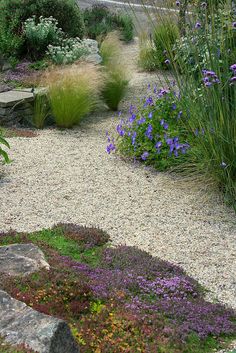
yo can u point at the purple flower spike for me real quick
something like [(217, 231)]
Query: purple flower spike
[(111, 147), (144, 156)]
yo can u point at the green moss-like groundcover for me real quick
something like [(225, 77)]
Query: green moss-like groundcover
[(118, 299)]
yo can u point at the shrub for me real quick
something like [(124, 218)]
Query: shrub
[(3, 153), (99, 21), (15, 12), (126, 25), (73, 93), (67, 52), (39, 36)]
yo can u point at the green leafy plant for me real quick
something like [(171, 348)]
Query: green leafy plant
[(3, 153), (14, 12), (40, 35), (69, 51), (73, 93), (99, 21), (126, 25)]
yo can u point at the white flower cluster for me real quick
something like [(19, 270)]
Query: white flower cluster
[(45, 30), (68, 52)]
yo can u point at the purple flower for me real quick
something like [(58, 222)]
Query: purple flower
[(162, 122), (233, 80), (120, 130), (134, 137), (204, 5), (148, 132), (141, 121), (198, 25), (167, 61), (158, 145), (233, 67), (177, 3), (234, 24), (150, 115), (111, 147), (132, 118), (144, 156), (165, 126), (174, 106)]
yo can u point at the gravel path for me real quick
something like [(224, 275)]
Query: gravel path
[(66, 176)]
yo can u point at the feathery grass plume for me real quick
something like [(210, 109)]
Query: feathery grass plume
[(147, 55), (110, 49), (73, 92), (115, 74)]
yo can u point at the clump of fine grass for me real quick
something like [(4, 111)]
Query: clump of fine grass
[(73, 93), (147, 55), (115, 75), (41, 110)]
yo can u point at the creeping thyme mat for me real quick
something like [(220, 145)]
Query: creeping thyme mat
[(119, 299)]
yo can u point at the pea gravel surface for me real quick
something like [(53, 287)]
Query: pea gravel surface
[(66, 176)]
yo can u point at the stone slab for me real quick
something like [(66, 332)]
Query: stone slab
[(20, 324), (21, 259), (10, 98)]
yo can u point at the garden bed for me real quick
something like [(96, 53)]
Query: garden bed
[(118, 299)]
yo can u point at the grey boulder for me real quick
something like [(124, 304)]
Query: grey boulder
[(20, 324), (21, 259)]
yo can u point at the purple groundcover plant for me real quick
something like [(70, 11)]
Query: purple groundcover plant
[(151, 287), (152, 131), (21, 73)]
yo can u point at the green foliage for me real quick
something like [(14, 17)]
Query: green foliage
[(165, 36), (69, 50), (116, 82), (14, 12), (41, 110), (73, 94), (3, 153), (115, 87), (99, 21), (126, 25), (147, 60), (40, 35), (156, 50)]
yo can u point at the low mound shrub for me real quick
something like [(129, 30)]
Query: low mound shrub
[(73, 93), (39, 35), (118, 299), (15, 12)]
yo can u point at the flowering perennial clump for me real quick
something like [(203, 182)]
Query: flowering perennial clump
[(125, 301), (152, 130)]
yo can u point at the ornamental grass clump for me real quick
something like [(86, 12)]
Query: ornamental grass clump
[(115, 74), (73, 93), (203, 66)]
